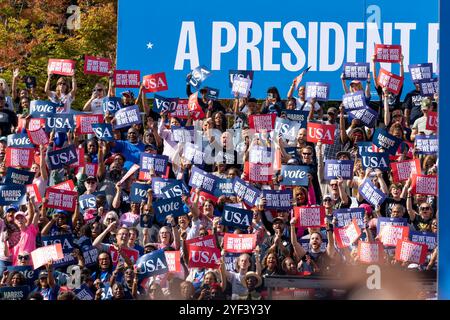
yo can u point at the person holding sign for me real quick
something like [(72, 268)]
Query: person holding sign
[(422, 220), (419, 126), (63, 94), (355, 85), (95, 103), (273, 102), (46, 285), (301, 103)]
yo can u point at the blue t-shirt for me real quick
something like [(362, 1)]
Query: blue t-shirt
[(132, 152)]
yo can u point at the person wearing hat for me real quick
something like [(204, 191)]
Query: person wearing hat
[(278, 241), (209, 106), (251, 281), (45, 285), (301, 103), (420, 125), (58, 225), (95, 102), (412, 104), (356, 85)]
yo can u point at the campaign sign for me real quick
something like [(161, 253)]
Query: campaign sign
[(41, 256), (19, 157), (12, 194), (318, 90), (390, 81), (307, 246), (403, 170), (117, 257), (65, 185), (60, 122), (297, 115), (248, 74), (90, 255), (90, 169), (322, 132), (63, 67), (354, 101), (236, 217), (155, 82), (33, 190), (103, 131), (138, 192), (204, 257), (158, 184), (96, 65), (390, 234), (388, 53), (152, 264), (310, 216), (27, 271), (421, 71), (173, 260), (61, 199), (260, 154), (84, 122), (164, 207), (127, 78), (80, 158), (245, 191), (428, 238), (338, 168), (14, 293), (258, 172), (126, 117), (426, 144), (428, 87), (347, 235), (384, 221), (239, 243), (294, 175), (426, 185), (383, 139), (18, 176), (224, 187), (156, 162), (367, 116), (345, 216), (62, 157), (287, 129), (111, 104), (175, 189), (375, 160), (364, 146), (432, 121), (67, 245), (262, 122), (195, 108), (202, 180), (370, 252), (87, 201), (371, 193), (212, 93), (208, 241), (30, 81), (20, 140), (161, 104), (356, 70), (84, 293), (38, 136), (278, 199), (43, 106), (241, 86), (198, 75), (182, 109), (408, 251)]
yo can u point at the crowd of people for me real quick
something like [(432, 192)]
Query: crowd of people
[(108, 239)]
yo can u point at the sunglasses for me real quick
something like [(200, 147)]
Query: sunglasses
[(306, 154), (333, 184), (23, 257), (62, 84), (98, 90), (424, 208), (327, 200), (91, 182)]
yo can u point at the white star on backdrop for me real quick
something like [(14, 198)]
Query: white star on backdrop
[(149, 45)]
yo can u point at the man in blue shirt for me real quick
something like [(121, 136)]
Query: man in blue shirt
[(131, 149)]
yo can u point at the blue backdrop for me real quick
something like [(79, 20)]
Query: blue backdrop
[(276, 39)]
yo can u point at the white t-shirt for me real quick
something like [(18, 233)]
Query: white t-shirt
[(67, 99), (96, 106), (237, 288), (307, 107)]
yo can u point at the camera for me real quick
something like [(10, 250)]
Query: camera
[(270, 95)]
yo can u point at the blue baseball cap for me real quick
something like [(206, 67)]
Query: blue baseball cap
[(12, 207)]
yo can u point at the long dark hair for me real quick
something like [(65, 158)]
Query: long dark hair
[(274, 90), (97, 270)]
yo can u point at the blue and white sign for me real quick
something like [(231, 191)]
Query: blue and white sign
[(375, 160), (103, 131), (202, 180), (156, 162), (278, 199), (182, 134), (294, 175), (12, 194), (383, 139), (43, 106), (354, 101), (345, 216), (84, 293), (236, 218), (383, 221), (138, 192), (126, 117), (248, 74), (356, 70), (297, 115), (111, 105), (176, 189), (371, 193), (428, 87), (158, 184), (245, 191), (318, 90), (420, 71), (28, 272), (367, 116), (14, 293), (286, 128), (277, 42), (60, 122), (20, 140), (161, 104), (364, 146), (426, 144), (18, 176), (198, 75), (164, 207), (152, 264), (87, 201), (67, 245), (241, 86), (338, 168), (62, 157), (212, 93), (428, 238), (224, 187)]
